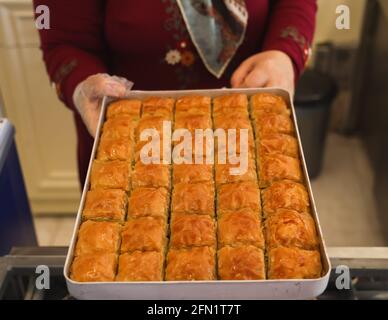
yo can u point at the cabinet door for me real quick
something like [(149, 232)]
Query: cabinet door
[(45, 133)]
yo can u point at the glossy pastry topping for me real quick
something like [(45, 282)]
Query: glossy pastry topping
[(224, 174), (192, 173), (293, 263), (273, 123), (115, 149), (285, 194), (239, 122), (124, 107), (240, 227), (140, 266), (193, 104), (260, 99), (105, 205), (150, 175), (289, 228), (193, 122), (98, 267), (110, 175), (152, 122), (150, 202), (191, 264), (98, 237), (144, 234), (192, 230), (241, 263), (278, 143), (155, 106), (119, 127), (226, 103), (278, 167), (193, 198)]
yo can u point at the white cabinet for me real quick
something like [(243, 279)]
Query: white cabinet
[(45, 133)]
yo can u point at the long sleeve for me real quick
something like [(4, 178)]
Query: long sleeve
[(74, 47), (291, 30)]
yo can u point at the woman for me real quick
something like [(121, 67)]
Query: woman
[(169, 44)]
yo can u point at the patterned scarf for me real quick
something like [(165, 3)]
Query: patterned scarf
[(217, 29)]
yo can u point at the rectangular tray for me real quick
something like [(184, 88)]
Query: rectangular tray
[(216, 289)]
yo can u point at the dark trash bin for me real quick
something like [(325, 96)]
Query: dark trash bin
[(313, 98)]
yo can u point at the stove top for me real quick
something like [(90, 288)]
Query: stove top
[(18, 275)]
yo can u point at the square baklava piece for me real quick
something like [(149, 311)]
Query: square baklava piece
[(144, 234), (285, 194), (193, 104), (294, 263), (151, 175), (118, 127), (231, 173), (115, 149), (289, 228), (232, 103), (236, 196), (262, 103), (98, 267), (241, 263), (98, 237), (192, 230), (273, 123), (148, 123), (151, 202), (191, 264), (277, 143), (192, 173), (276, 167), (193, 122), (124, 107), (105, 205), (240, 227), (110, 175), (140, 266), (155, 106), (193, 199)]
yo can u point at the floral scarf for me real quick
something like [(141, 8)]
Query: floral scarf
[(217, 29)]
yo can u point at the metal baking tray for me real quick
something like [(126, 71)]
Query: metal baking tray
[(216, 289)]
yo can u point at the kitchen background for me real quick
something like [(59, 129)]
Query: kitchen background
[(350, 190)]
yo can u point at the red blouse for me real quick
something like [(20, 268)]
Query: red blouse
[(132, 38)]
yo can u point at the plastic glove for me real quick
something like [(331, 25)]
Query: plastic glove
[(88, 95)]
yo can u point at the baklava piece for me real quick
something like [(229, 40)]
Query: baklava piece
[(192, 173), (193, 122), (110, 175), (230, 103), (118, 127), (144, 234), (235, 143), (241, 227), (293, 263), (261, 99), (193, 198), (278, 167), (192, 230), (241, 263), (150, 175), (149, 125), (155, 106), (285, 194), (288, 228), (98, 237), (115, 149), (151, 202), (236, 196), (193, 105), (277, 143), (125, 107), (105, 205), (99, 267), (191, 264), (140, 266), (226, 123), (231, 173), (273, 123)]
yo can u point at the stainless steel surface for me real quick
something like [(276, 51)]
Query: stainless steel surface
[(277, 289)]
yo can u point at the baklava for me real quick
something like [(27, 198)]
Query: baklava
[(150, 175), (294, 263), (230, 103), (124, 107), (192, 173), (98, 267), (115, 149), (150, 125), (196, 263), (240, 227), (226, 123), (110, 175), (192, 230), (118, 127), (288, 228), (285, 194), (231, 173), (241, 263), (155, 106), (260, 99), (193, 104), (148, 202), (273, 123), (236, 196), (277, 143), (144, 234), (98, 237), (105, 205), (140, 266), (193, 122), (276, 167)]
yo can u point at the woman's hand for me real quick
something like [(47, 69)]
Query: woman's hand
[(267, 69), (89, 93)]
